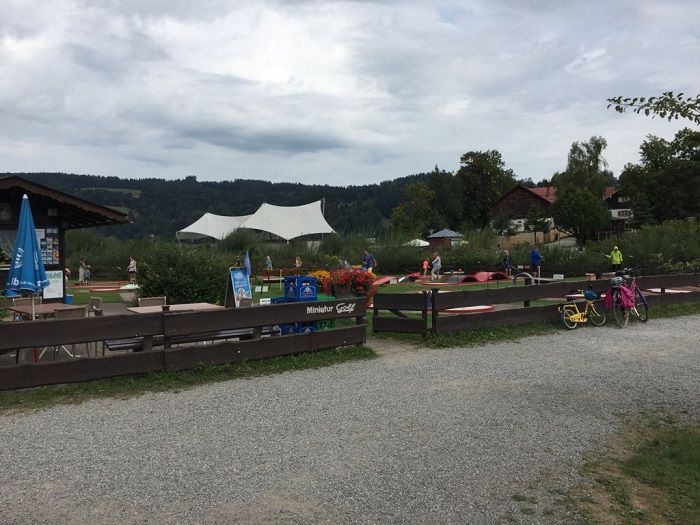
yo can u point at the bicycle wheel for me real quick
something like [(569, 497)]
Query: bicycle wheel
[(641, 305), (596, 316), (621, 314), (565, 316)]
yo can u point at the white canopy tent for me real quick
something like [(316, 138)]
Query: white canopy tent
[(211, 225), (287, 222), (417, 242)]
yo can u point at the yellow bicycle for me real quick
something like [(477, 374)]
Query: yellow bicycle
[(571, 316)]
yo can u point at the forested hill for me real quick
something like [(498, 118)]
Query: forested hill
[(161, 207)]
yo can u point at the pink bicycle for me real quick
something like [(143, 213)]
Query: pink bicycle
[(627, 298)]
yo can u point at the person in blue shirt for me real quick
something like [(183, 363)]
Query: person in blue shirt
[(535, 260), (368, 262)]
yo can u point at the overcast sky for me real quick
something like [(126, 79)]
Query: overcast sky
[(331, 92)]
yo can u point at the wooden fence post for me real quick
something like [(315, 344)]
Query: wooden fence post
[(434, 311)]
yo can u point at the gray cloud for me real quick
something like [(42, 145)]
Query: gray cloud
[(293, 141), (360, 90)]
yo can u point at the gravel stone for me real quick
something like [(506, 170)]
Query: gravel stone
[(477, 435)]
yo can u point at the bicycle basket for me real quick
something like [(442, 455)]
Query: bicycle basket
[(616, 281), (591, 295)]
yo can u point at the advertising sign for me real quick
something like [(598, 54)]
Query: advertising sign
[(340, 308), (55, 288), (240, 286)]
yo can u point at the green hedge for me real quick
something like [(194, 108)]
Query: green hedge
[(183, 274)]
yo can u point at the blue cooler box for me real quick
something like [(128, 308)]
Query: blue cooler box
[(300, 288)]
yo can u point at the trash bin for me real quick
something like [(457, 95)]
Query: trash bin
[(69, 298)]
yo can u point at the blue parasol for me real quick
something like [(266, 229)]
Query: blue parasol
[(27, 273)]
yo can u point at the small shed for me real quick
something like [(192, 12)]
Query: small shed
[(54, 212), (445, 237)]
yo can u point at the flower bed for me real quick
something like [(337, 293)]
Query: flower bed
[(346, 282)]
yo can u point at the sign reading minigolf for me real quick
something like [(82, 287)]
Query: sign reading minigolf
[(339, 308)]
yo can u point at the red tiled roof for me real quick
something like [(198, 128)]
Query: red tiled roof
[(548, 193), (608, 192)]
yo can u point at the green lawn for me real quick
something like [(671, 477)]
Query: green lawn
[(83, 297), (649, 473)]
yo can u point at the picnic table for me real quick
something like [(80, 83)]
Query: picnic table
[(186, 307), (146, 343), (43, 310)]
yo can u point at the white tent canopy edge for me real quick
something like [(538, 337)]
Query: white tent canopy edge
[(287, 222)]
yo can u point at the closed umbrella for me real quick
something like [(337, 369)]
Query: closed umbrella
[(27, 273)]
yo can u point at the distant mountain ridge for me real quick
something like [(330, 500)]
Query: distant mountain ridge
[(161, 207)]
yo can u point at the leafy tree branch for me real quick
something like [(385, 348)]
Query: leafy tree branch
[(668, 105)]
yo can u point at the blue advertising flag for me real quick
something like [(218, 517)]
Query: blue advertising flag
[(27, 273), (247, 262)]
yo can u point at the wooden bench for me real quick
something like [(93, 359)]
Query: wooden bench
[(222, 335), (275, 276), (115, 345), (135, 344)]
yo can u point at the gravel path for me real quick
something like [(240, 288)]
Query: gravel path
[(421, 436)]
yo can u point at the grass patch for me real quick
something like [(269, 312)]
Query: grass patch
[(125, 386), (649, 473), (673, 310), (670, 462), (413, 288), (107, 297), (524, 498), (481, 336)]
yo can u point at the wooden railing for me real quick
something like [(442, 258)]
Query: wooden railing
[(431, 305), (165, 328)]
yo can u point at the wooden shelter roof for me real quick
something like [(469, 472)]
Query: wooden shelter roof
[(72, 212)]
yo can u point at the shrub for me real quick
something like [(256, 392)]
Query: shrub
[(393, 258), (670, 246), (240, 241), (184, 275), (108, 256)]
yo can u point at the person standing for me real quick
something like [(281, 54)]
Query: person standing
[(84, 271), (132, 270), (535, 260), (615, 258), (297, 262), (368, 262), (508, 262), (437, 264), (81, 270), (87, 271), (426, 265), (268, 262)]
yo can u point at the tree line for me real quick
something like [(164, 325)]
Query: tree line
[(665, 185), (158, 207)]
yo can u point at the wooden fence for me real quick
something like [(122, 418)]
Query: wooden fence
[(165, 329), (405, 308)]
